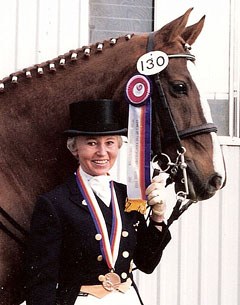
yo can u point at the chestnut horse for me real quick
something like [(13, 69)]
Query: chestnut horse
[(34, 112)]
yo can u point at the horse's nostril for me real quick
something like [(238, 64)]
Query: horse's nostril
[(216, 182)]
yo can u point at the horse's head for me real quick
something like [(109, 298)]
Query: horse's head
[(195, 134)]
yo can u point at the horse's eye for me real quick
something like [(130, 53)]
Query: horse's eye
[(179, 88)]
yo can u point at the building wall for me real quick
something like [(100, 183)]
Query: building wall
[(201, 265), (112, 18)]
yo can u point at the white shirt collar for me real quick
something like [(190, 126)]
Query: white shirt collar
[(100, 185)]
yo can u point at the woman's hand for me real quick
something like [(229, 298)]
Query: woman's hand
[(156, 197)]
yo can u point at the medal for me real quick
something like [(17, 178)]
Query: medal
[(109, 246), (111, 281)]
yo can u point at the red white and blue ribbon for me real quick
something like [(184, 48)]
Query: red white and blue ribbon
[(138, 94), (109, 247)]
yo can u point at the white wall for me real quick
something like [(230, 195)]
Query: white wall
[(201, 265), (34, 31), (211, 48)]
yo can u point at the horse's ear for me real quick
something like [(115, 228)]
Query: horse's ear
[(174, 28), (192, 32)]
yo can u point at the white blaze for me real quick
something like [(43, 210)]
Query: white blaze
[(218, 162)]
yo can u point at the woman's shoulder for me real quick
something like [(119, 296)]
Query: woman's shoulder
[(120, 186), (62, 190)]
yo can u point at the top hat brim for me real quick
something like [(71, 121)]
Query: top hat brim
[(75, 133)]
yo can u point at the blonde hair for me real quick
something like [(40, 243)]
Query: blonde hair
[(71, 144)]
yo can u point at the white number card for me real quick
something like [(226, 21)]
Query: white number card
[(152, 62)]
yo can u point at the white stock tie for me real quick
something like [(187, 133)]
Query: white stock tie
[(101, 187)]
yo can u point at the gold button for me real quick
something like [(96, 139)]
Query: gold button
[(101, 278), (99, 258), (98, 236), (124, 275), (125, 254), (131, 266), (84, 202), (125, 233)]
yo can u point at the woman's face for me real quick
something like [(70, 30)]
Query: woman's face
[(97, 154)]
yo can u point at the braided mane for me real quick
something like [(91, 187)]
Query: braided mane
[(60, 62)]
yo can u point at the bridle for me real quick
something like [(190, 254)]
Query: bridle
[(162, 107), (172, 135)]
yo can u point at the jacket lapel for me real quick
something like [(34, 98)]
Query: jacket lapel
[(75, 195), (77, 198)]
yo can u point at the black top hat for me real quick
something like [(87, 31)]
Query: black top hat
[(94, 117)]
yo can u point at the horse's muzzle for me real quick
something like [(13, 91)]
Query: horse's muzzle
[(215, 182), (200, 190)]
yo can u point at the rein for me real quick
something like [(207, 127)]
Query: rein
[(172, 135), (15, 225)]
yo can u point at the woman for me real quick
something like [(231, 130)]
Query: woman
[(82, 242)]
